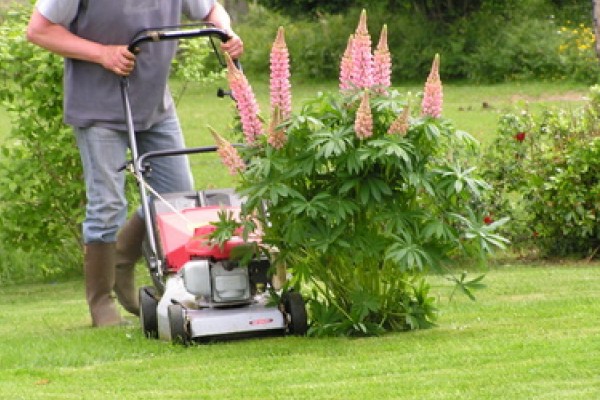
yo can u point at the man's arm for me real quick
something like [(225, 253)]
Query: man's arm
[(57, 39), (221, 19)]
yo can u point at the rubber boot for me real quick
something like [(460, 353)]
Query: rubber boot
[(99, 261), (129, 251)]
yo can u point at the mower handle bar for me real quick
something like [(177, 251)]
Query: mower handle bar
[(176, 33), (176, 152), (156, 35), (159, 34)]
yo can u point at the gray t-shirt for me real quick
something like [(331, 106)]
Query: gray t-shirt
[(64, 11), (92, 94)]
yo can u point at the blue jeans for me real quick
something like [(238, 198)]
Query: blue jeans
[(104, 151)]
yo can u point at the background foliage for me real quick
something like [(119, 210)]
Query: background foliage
[(42, 197), (545, 172), (434, 10), (483, 41)]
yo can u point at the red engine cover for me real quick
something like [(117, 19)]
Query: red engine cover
[(183, 237)]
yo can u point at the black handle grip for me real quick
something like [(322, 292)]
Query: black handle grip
[(161, 34)]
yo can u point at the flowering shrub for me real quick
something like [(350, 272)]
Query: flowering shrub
[(544, 171), (364, 196), (577, 52)]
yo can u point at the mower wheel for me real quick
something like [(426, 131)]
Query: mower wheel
[(178, 324), (294, 307), (148, 318)]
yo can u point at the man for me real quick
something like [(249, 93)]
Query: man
[(93, 36)]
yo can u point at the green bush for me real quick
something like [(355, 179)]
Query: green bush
[(577, 54), (361, 222), (523, 41), (524, 48), (495, 52), (195, 62), (41, 203), (545, 173)]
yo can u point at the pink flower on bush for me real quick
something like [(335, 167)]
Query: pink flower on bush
[(363, 124), (362, 59), (228, 154), (346, 66), (401, 124), (433, 95), (382, 74), (281, 95), (520, 137), (245, 101)]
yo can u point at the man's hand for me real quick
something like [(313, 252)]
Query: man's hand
[(118, 59), (219, 17), (234, 46)]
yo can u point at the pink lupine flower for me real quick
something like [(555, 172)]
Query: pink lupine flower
[(281, 95), (362, 59), (382, 73), (401, 124), (433, 95), (363, 124), (346, 66), (228, 154), (276, 136), (245, 101)]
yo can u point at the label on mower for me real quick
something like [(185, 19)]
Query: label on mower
[(261, 321)]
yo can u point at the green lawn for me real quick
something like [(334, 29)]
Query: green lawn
[(532, 334)]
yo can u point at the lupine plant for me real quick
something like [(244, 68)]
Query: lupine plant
[(363, 196)]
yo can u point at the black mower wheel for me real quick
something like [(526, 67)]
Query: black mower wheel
[(148, 318), (295, 309), (178, 324)]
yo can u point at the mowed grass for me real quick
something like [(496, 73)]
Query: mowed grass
[(532, 334)]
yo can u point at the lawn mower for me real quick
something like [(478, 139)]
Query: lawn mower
[(201, 291)]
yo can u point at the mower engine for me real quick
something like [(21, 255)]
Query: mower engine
[(222, 283)]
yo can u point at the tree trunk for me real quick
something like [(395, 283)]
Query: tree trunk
[(236, 8), (596, 18)]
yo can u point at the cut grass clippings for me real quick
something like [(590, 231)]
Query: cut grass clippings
[(532, 334)]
